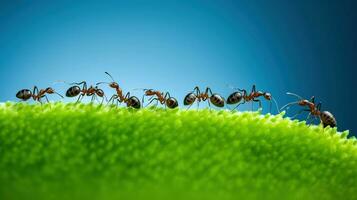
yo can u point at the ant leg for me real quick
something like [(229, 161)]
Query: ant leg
[(260, 102), (189, 106), (127, 95), (104, 97), (198, 105), (244, 92), (102, 100), (197, 89), (142, 99), (118, 102), (209, 105), (92, 99), (97, 98), (270, 106), (312, 99), (112, 99), (47, 99), (167, 95), (308, 118), (311, 120), (35, 90), (152, 101), (80, 98), (80, 83), (318, 107), (298, 113), (208, 90), (253, 89), (238, 105)]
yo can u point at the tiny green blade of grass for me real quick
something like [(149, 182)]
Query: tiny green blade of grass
[(85, 151)]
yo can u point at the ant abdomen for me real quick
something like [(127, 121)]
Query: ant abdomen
[(99, 92), (24, 94), (73, 91), (171, 102), (327, 119), (234, 98), (134, 102), (217, 100), (189, 99)]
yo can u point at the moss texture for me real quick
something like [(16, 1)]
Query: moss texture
[(59, 151)]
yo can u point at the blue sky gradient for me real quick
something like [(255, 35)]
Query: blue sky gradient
[(307, 47)]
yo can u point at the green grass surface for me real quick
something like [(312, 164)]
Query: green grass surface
[(67, 151)]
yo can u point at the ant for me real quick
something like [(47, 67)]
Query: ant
[(36, 94), (326, 118), (166, 99), (238, 96), (84, 91), (131, 101), (215, 99)]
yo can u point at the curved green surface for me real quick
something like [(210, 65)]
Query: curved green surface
[(59, 151)]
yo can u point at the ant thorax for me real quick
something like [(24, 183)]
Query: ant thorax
[(119, 92)]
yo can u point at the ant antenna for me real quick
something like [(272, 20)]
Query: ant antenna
[(293, 94), (60, 81), (59, 94), (141, 89), (110, 76), (231, 87), (276, 104), (289, 104), (101, 83)]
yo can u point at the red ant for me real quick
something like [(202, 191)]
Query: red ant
[(36, 94), (84, 91), (238, 96), (166, 99), (215, 99), (326, 118), (131, 101)]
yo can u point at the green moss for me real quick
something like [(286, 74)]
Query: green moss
[(58, 151)]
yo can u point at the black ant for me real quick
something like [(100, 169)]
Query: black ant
[(326, 118), (36, 94), (84, 91), (238, 96), (131, 101), (166, 99), (215, 99)]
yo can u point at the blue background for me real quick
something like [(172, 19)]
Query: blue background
[(305, 47)]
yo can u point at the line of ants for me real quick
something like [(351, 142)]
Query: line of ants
[(237, 98)]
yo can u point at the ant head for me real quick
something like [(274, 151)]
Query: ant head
[(114, 85), (49, 90), (149, 91), (267, 96), (303, 102)]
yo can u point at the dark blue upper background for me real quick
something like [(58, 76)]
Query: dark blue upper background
[(305, 47)]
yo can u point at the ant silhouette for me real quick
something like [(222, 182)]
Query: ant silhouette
[(160, 97), (131, 101), (84, 91), (326, 118), (37, 95), (238, 96), (208, 96)]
